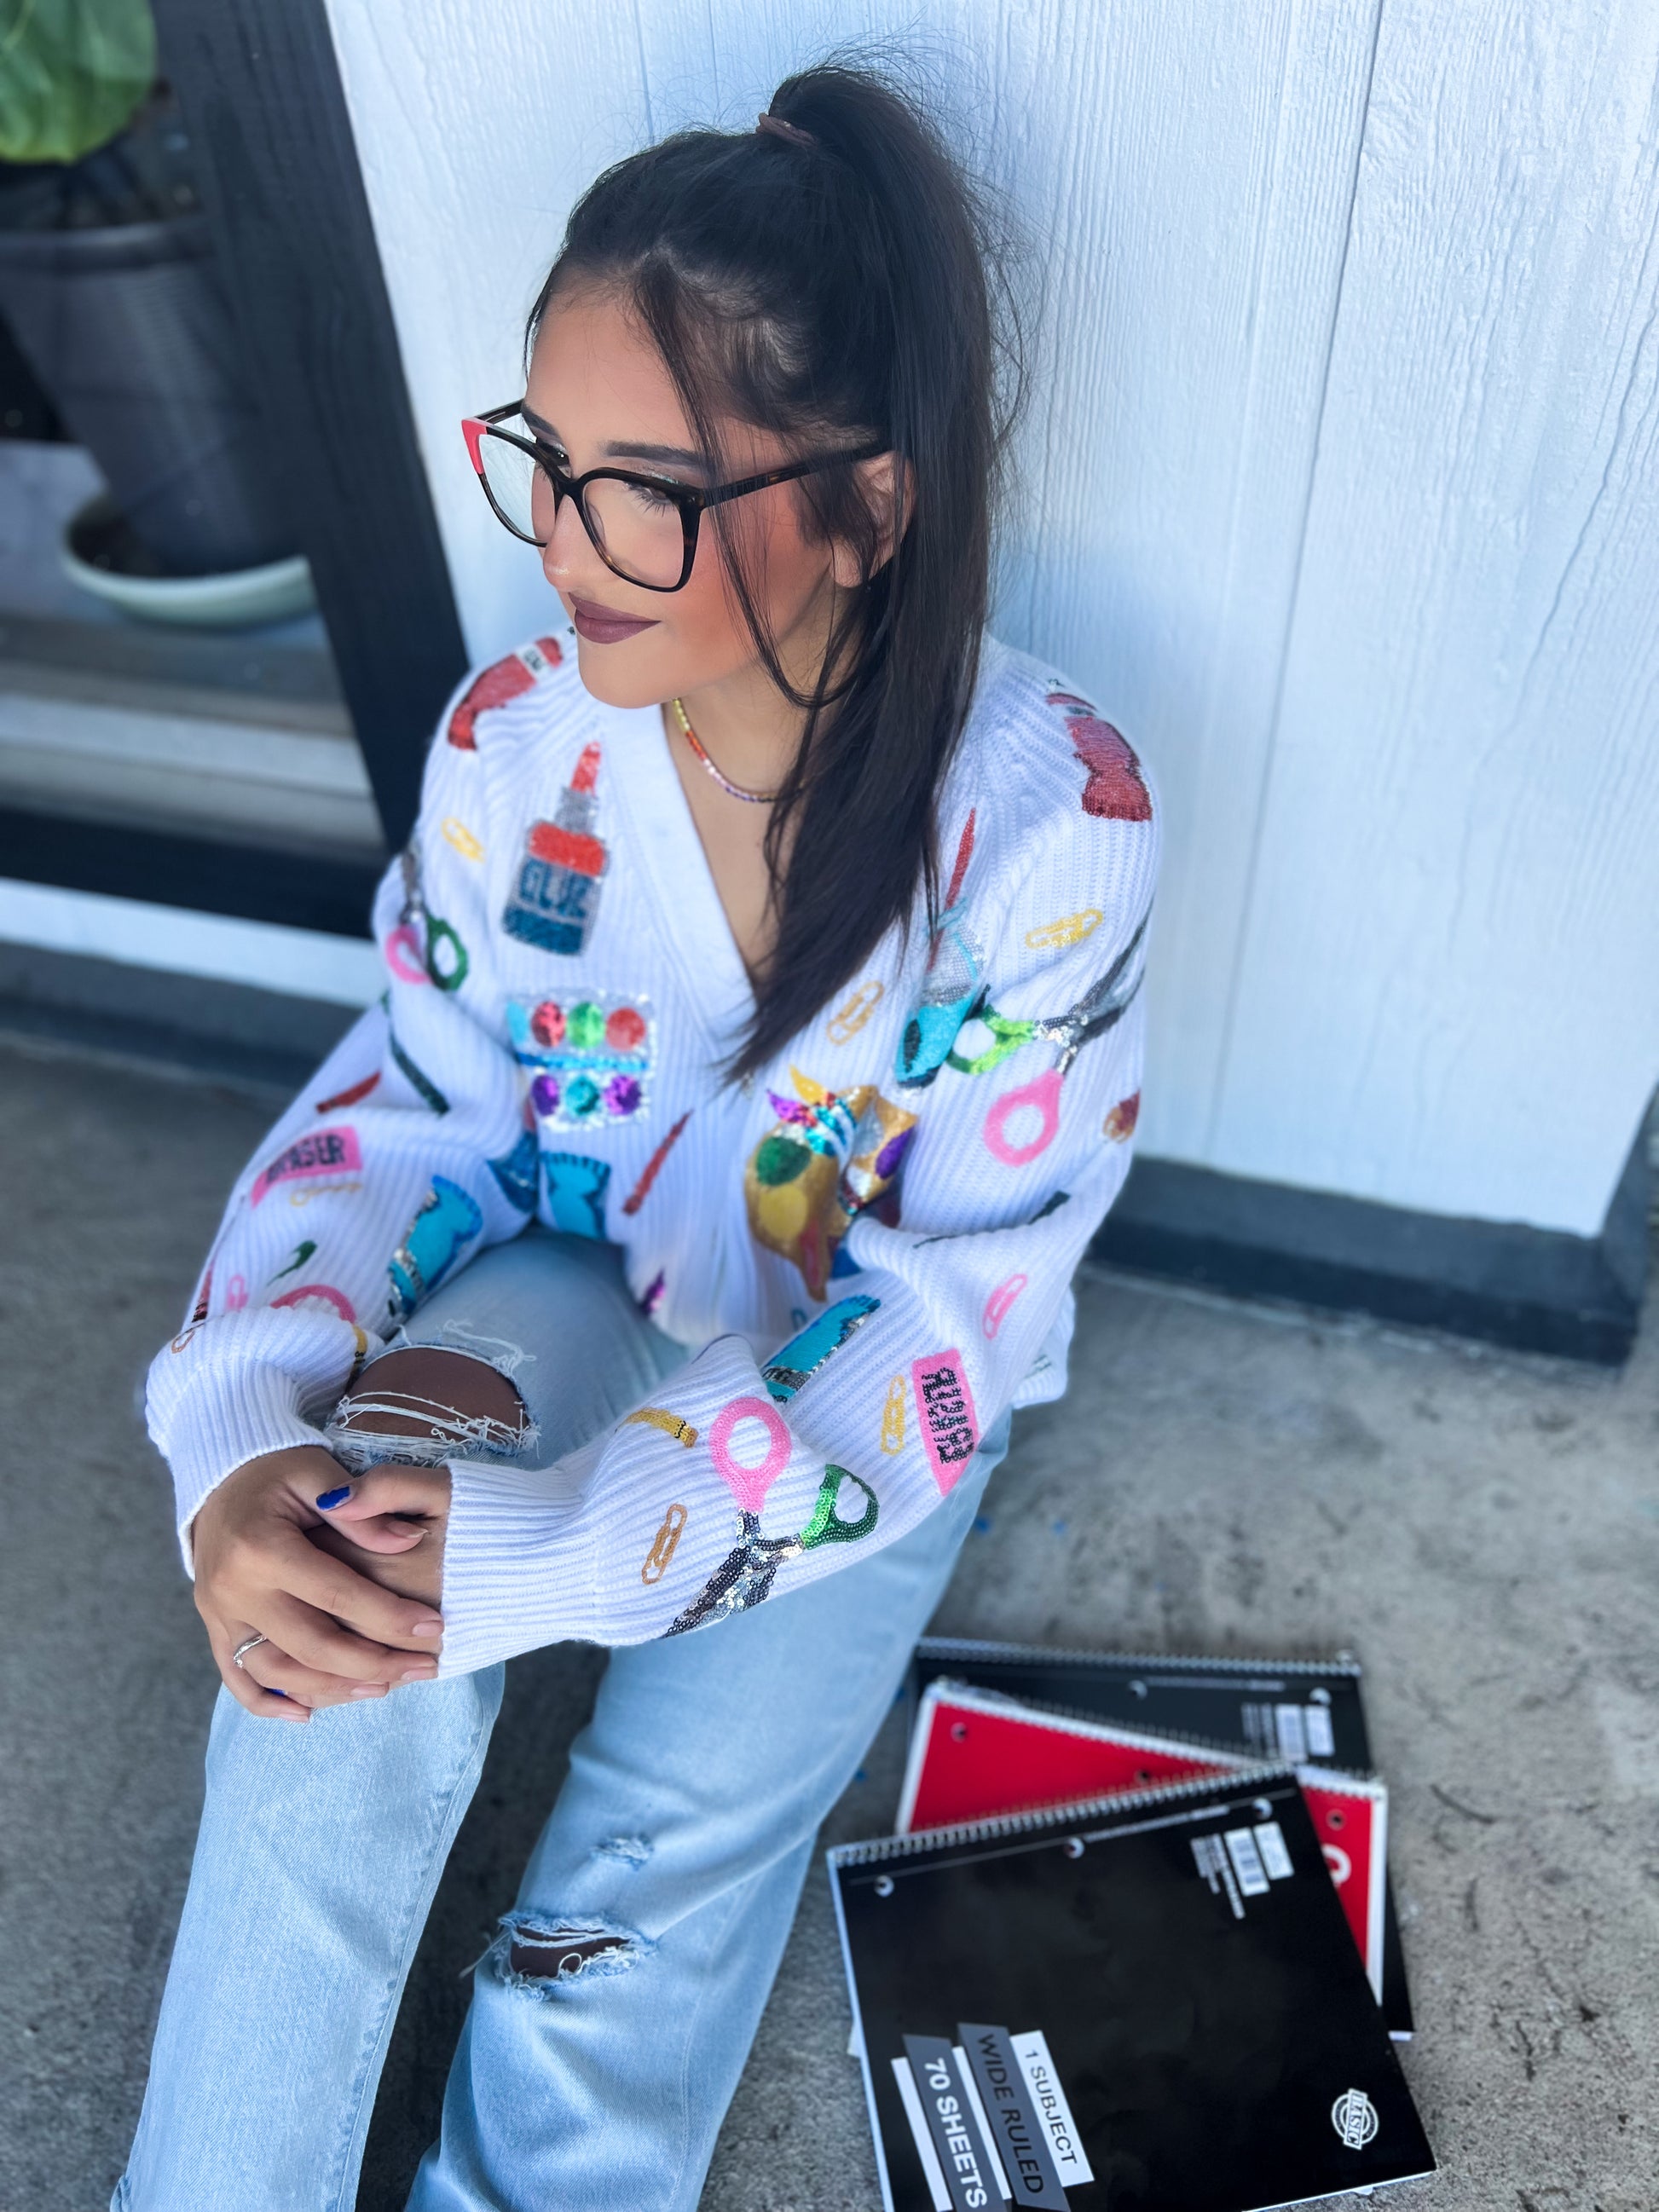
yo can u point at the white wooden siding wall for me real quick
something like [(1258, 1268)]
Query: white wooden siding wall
[(1341, 500)]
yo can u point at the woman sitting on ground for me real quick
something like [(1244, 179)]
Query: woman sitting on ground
[(658, 1262)]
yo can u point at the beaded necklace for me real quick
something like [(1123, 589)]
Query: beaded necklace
[(732, 790)]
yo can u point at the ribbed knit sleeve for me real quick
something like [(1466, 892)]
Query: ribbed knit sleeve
[(1012, 1105), (405, 1154)]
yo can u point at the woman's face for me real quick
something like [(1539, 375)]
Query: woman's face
[(600, 394)]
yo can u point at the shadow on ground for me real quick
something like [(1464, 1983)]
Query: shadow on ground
[(1483, 1530)]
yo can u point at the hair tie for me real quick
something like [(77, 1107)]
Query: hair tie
[(779, 129)]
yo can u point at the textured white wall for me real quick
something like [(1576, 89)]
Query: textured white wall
[(1335, 500)]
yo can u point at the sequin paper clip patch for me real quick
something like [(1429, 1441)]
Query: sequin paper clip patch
[(892, 1416), (324, 1152), (591, 1055), (657, 1560), (945, 1406), (557, 889), (849, 1018)]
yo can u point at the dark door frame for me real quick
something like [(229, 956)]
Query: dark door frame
[(278, 165)]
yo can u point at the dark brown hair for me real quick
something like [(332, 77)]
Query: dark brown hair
[(852, 291)]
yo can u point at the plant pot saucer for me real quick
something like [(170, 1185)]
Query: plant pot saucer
[(103, 554)]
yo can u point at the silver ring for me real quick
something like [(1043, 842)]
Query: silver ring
[(243, 1648)]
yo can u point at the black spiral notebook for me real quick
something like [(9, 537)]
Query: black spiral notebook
[(1152, 2004), (1306, 1712)]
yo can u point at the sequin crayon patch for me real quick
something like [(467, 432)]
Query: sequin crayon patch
[(324, 1152), (352, 1095), (557, 887), (416, 1078), (945, 1406)]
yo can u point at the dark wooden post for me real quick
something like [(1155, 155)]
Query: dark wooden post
[(266, 112)]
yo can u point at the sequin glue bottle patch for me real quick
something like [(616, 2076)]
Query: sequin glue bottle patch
[(556, 892), (945, 1410)]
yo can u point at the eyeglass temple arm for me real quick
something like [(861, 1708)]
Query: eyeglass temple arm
[(475, 426)]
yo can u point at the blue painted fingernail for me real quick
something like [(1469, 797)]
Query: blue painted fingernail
[(279, 1694), (330, 1498)]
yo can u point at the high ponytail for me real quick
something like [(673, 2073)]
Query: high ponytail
[(838, 280)]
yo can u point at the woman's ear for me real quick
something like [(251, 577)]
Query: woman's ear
[(889, 486)]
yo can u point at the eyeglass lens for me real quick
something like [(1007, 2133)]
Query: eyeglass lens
[(639, 531)]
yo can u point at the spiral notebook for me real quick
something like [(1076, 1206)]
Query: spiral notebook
[(1150, 2004), (1304, 1711), (976, 1753)]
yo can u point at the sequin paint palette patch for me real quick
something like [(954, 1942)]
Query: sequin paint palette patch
[(591, 1057)]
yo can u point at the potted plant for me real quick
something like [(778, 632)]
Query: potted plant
[(108, 284)]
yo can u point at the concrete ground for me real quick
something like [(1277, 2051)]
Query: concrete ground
[(1482, 1529)]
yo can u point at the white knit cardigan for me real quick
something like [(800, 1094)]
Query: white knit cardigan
[(871, 1242)]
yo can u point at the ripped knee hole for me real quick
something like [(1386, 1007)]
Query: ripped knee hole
[(559, 1954)]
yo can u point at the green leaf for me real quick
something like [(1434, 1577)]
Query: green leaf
[(71, 73)]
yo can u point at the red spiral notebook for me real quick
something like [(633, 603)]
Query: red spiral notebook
[(975, 1755)]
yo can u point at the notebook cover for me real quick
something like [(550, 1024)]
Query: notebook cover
[(974, 1754), (1295, 1709), (1120, 2006)]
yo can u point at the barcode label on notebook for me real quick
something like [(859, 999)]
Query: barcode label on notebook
[(1275, 1855), (1247, 1861), (1215, 1865), (1292, 1732)]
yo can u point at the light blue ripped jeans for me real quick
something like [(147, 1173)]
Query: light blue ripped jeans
[(666, 1879)]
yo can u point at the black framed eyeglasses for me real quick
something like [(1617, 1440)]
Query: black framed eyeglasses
[(643, 527)]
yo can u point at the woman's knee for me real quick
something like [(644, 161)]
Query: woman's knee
[(424, 1403)]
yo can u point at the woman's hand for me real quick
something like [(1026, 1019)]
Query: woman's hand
[(334, 1633), (391, 1529)]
